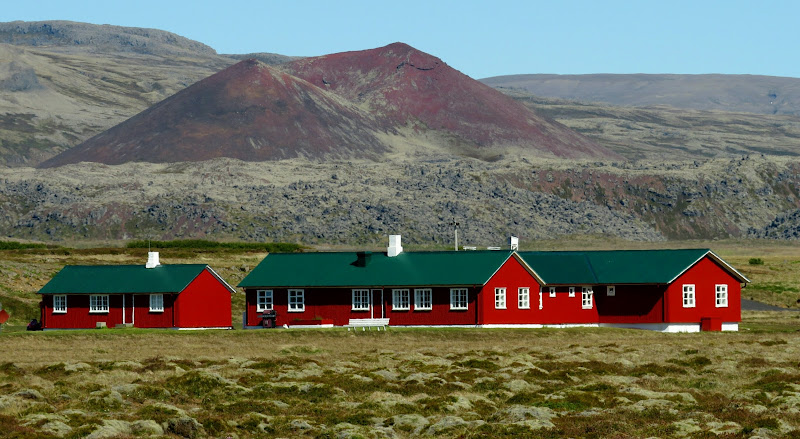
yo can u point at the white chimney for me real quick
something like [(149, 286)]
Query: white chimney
[(513, 242), (395, 248), (152, 260)]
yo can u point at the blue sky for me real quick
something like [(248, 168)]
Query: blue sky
[(479, 38)]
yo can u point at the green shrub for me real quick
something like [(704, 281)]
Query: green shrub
[(755, 261), (14, 245)]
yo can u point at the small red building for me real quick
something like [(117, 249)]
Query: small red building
[(180, 296), (665, 290)]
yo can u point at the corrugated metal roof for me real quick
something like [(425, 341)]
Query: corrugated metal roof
[(341, 269), (104, 279), (612, 267)]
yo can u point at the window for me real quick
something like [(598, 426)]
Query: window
[(571, 291), (552, 291), (423, 299), (297, 301), (360, 300), (156, 303), (400, 300), (586, 297), (500, 298), (722, 296), (688, 296), (459, 298), (611, 291), (98, 303), (263, 300), (524, 298), (60, 304)]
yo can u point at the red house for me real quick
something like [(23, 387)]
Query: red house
[(666, 290), (180, 296)]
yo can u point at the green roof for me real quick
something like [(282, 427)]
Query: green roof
[(341, 269), (105, 279), (611, 267)]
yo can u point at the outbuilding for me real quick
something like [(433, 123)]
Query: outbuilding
[(178, 296)]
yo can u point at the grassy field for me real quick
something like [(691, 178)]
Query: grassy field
[(465, 383), (404, 383)]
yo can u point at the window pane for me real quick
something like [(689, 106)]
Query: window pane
[(400, 299)]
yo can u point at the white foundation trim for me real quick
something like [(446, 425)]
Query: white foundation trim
[(730, 326), (201, 329), (329, 325), (661, 327)]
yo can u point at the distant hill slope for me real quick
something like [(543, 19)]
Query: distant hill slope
[(735, 93), (63, 82), (334, 106), (102, 38)]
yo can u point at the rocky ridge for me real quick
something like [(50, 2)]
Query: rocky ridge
[(359, 202)]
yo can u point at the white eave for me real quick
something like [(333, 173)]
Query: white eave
[(717, 259)]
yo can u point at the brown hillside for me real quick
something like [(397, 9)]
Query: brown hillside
[(334, 106), (403, 86), (248, 111)]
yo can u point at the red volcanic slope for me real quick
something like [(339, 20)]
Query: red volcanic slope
[(248, 111), (328, 107), (401, 86)]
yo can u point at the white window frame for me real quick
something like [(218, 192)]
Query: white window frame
[(297, 300), (459, 299), (587, 297), (571, 291), (401, 299), (552, 291), (524, 298), (99, 303), (500, 298), (60, 308), (361, 299), (611, 291), (154, 307), (423, 299), (689, 299), (264, 300), (721, 295)]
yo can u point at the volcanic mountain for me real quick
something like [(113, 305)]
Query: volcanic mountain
[(335, 106), (404, 86), (249, 111)]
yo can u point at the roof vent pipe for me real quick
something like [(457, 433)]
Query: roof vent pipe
[(513, 243), (395, 248), (152, 260)]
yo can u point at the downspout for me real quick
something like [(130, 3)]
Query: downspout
[(133, 309), (174, 305), (123, 308)]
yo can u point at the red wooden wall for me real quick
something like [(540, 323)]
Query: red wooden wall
[(705, 274), (78, 315), (630, 304), (144, 318), (337, 304), (204, 303), (512, 276)]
